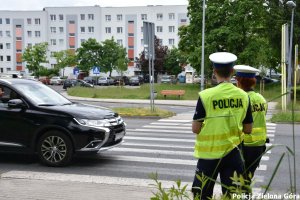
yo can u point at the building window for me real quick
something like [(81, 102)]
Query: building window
[(1, 33), (91, 16), (91, 29), (61, 17), (107, 29), (29, 33), (82, 29), (53, 17), (7, 21), (7, 33), (37, 33), (1, 70), (171, 41), (142, 29), (159, 16), (29, 45), (1, 46), (119, 30), (71, 22), (108, 18), (183, 20), (142, 42), (7, 45), (0, 20), (53, 29), (61, 29), (143, 16), (8, 58), (159, 29), (119, 17), (37, 21), (120, 42), (29, 22), (160, 41), (53, 42), (1, 58), (82, 16), (61, 42), (82, 40), (171, 16), (171, 29)]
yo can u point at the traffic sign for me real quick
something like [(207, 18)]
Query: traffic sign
[(96, 70), (75, 71)]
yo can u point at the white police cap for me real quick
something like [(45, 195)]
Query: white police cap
[(222, 59), (245, 71)]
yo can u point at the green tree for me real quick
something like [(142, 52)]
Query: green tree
[(249, 28), (89, 55), (174, 61), (160, 56), (113, 57), (65, 58), (34, 56)]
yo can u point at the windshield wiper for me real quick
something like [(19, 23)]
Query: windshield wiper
[(46, 104)]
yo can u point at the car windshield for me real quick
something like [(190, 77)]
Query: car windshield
[(166, 77), (42, 95)]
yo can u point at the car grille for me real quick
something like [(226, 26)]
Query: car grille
[(114, 130)]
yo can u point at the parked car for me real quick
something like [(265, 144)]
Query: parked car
[(121, 80), (56, 80), (134, 80), (91, 79), (75, 82), (266, 79), (105, 81), (166, 79), (36, 119), (45, 80), (197, 79)]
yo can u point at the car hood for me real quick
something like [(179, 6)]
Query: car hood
[(84, 111)]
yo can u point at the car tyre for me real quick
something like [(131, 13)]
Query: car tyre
[(55, 149)]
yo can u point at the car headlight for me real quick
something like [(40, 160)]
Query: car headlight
[(94, 123)]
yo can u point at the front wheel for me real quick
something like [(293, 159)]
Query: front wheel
[(55, 149)]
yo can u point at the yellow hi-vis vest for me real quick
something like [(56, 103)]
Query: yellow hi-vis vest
[(222, 130), (258, 135)]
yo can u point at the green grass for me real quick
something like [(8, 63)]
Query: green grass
[(285, 117), (191, 92), (132, 112)]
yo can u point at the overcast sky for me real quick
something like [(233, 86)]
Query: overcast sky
[(40, 4)]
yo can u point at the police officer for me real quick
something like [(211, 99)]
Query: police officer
[(222, 114), (254, 143)]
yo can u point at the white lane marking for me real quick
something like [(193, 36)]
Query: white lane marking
[(271, 131), (257, 178), (270, 135), (158, 130), (174, 120), (85, 178), (171, 124), (168, 127), (159, 139), (153, 151), (156, 134), (265, 158), (262, 168), (271, 127), (157, 145), (150, 160), (271, 124)]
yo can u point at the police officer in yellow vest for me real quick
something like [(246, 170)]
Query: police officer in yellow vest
[(222, 115), (254, 143)]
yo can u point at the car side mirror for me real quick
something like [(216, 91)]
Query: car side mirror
[(16, 103)]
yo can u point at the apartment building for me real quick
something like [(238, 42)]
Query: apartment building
[(67, 27)]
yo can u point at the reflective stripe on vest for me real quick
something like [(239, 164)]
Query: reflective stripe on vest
[(258, 135), (225, 107)]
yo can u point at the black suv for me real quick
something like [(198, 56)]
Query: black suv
[(36, 119), (75, 82)]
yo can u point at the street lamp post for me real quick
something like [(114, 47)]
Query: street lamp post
[(202, 54), (292, 5)]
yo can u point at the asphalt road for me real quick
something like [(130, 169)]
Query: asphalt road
[(164, 146)]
